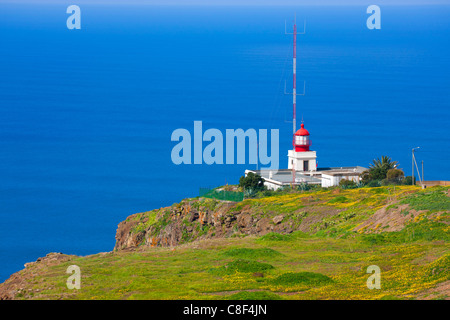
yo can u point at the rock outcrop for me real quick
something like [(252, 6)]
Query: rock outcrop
[(17, 284), (195, 219)]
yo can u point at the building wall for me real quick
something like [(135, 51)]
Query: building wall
[(297, 159), (328, 181), (271, 186), (333, 180)]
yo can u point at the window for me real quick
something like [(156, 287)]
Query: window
[(306, 165)]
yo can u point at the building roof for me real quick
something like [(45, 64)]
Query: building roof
[(302, 131), (284, 176), (333, 171)]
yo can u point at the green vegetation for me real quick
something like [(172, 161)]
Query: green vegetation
[(423, 230), (434, 200), (309, 278), (221, 194), (241, 265), (383, 171), (247, 253), (347, 184), (272, 236), (339, 199), (325, 254), (255, 295), (252, 183)]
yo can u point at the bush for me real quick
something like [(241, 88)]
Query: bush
[(395, 175), (338, 199), (347, 184), (378, 170), (408, 180), (273, 236), (242, 265), (374, 184), (252, 182)]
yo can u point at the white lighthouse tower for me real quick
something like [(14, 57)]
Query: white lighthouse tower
[(302, 162), (301, 158)]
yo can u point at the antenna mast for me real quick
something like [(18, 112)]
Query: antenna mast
[(294, 79), (294, 88)]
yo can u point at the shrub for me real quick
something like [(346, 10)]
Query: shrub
[(379, 169), (252, 181), (347, 184), (395, 175), (242, 265), (408, 181), (273, 236), (374, 184), (338, 199)]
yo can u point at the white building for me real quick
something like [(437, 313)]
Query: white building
[(301, 158), (302, 168)]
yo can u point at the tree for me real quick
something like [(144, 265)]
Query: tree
[(378, 169), (395, 175), (408, 180), (252, 182)]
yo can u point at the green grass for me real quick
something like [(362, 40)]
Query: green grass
[(434, 200), (273, 236), (256, 295), (241, 265), (425, 230), (330, 263), (248, 253), (338, 199), (307, 268), (307, 278)]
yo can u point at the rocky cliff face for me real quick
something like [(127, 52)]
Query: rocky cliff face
[(196, 219), (18, 283)]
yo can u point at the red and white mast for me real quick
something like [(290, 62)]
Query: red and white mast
[(294, 91), (294, 97)]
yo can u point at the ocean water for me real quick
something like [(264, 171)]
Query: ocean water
[(87, 115)]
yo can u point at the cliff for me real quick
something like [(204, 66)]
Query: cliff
[(356, 210), (274, 247)]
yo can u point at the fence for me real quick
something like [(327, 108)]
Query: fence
[(434, 183), (221, 194)]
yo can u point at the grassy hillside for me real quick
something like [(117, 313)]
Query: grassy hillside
[(330, 238)]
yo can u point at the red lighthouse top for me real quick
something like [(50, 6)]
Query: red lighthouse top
[(302, 131), (301, 140)]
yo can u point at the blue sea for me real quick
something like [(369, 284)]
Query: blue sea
[(86, 116)]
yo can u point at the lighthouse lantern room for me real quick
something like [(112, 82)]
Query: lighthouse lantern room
[(301, 158)]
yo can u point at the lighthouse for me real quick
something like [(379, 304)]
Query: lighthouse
[(302, 162), (300, 157)]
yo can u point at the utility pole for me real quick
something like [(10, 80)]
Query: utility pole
[(422, 171), (413, 160)]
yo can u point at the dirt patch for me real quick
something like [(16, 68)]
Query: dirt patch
[(388, 219), (316, 214), (441, 291)]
